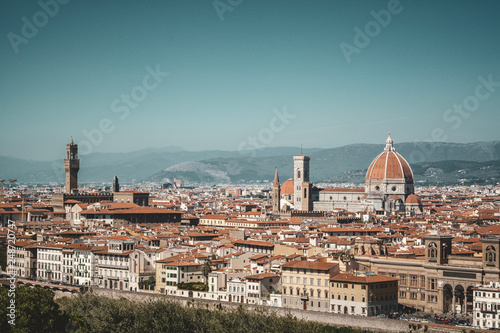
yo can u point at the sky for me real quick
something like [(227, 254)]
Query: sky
[(121, 76)]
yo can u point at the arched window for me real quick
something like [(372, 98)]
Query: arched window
[(444, 252), (432, 251), (491, 255), (298, 173)]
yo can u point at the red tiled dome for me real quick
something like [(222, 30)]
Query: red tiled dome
[(287, 187), (389, 165), (413, 199)]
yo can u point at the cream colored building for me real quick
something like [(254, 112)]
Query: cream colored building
[(305, 284), (25, 258), (364, 294), (170, 273), (215, 220), (439, 282)]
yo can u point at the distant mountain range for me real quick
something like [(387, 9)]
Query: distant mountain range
[(432, 163), (439, 173)]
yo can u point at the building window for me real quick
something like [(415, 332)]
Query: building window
[(491, 255), (432, 284), (422, 281), (413, 281), (432, 251)]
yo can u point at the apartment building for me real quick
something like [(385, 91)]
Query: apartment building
[(25, 258), (49, 262), (486, 306), (84, 264), (113, 264), (364, 294), (236, 290), (67, 264), (306, 284), (170, 273), (259, 286)]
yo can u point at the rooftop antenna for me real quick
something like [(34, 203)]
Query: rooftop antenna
[(301, 149)]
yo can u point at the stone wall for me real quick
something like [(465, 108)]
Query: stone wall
[(371, 323)]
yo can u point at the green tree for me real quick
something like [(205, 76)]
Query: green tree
[(36, 311), (96, 314), (3, 256), (206, 269), (151, 282)]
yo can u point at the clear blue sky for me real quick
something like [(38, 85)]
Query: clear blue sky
[(227, 76)]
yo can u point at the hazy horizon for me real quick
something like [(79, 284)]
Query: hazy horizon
[(179, 149)]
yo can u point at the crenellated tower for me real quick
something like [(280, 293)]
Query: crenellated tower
[(71, 167)]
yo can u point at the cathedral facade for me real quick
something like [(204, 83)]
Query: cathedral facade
[(389, 187)]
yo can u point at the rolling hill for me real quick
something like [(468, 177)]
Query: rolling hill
[(216, 166)]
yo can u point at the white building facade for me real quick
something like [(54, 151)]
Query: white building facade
[(487, 306)]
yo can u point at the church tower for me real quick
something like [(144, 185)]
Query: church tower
[(302, 188), (276, 194), (71, 167), (116, 185), (437, 248)]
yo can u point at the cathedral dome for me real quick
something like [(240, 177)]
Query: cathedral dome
[(389, 165), (413, 199)]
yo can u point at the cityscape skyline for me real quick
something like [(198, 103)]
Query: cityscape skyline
[(127, 77)]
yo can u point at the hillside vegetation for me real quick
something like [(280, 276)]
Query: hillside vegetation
[(90, 313), (36, 311)]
